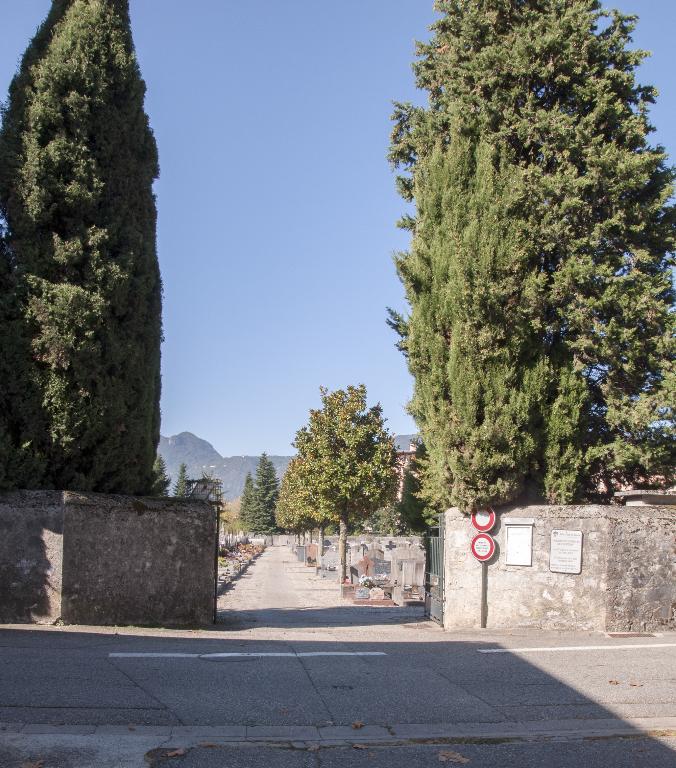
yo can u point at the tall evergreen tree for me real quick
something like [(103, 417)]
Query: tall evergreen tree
[(181, 485), (247, 504), (266, 494), (540, 334), (77, 164)]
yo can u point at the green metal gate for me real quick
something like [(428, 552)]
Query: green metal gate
[(434, 572)]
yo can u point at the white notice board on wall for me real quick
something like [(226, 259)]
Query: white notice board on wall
[(519, 541)]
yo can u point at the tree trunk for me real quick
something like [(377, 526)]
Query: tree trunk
[(320, 548), (342, 542)]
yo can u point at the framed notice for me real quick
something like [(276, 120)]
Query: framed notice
[(518, 544), (565, 551)]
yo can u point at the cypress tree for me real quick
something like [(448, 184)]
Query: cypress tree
[(540, 334), (181, 485), (247, 503), (77, 164), (266, 493)]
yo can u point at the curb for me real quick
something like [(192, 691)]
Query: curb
[(403, 733)]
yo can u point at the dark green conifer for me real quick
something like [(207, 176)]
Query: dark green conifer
[(181, 485), (266, 494), (247, 504), (540, 334), (161, 480), (77, 164)]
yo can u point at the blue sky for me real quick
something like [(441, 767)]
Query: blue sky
[(276, 203)]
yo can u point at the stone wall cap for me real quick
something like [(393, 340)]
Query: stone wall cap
[(113, 500), (572, 511)]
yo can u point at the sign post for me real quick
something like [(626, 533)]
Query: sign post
[(483, 549)]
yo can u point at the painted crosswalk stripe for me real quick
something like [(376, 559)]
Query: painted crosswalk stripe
[(552, 649), (300, 654)]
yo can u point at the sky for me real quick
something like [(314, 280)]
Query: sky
[(276, 203)]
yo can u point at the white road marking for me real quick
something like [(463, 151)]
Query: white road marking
[(240, 655), (552, 649)]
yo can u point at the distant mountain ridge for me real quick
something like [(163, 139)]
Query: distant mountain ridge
[(200, 456)]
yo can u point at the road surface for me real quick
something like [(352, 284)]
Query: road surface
[(294, 676)]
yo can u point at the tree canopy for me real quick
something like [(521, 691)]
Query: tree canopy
[(541, 333), (348, 459), (83, 293)]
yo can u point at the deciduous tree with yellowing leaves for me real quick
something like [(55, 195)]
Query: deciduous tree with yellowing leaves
[(346, 464)]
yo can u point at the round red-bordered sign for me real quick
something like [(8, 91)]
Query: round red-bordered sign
[(484, 519), (483, 547)]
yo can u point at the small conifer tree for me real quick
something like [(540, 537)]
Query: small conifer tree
[(247, 504), (161, 481), (181, 485)]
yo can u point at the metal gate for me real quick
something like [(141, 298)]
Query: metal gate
[(434, 572)]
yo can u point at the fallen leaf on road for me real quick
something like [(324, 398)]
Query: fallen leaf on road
[(614, 682), (36, 764), (360, 746), (207, 745), (452, 757), (357, 725), (176, 752), (636, 685)]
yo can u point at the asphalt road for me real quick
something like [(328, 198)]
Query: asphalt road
[(291, 665)]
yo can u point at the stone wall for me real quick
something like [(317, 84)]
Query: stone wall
[(31, 549), (627, 580), (101, 559), (641, 591)]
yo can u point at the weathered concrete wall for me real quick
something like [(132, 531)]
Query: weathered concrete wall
[(626, 582), (137, 561), (642, 570), (31, 544), (99, 559)]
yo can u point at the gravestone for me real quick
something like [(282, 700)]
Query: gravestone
[(376, 593), (382, 570), (362, 593)]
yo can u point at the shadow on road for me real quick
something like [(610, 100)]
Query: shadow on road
[(73, 677), (342, 616)]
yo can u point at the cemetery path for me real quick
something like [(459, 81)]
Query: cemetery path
[(279, 594)]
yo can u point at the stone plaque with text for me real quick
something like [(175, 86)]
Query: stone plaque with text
[(565, 552)]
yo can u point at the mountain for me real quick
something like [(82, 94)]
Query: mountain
[(200, 456)]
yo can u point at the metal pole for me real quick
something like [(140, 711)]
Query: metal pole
[(484, 595), (218, 532)]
